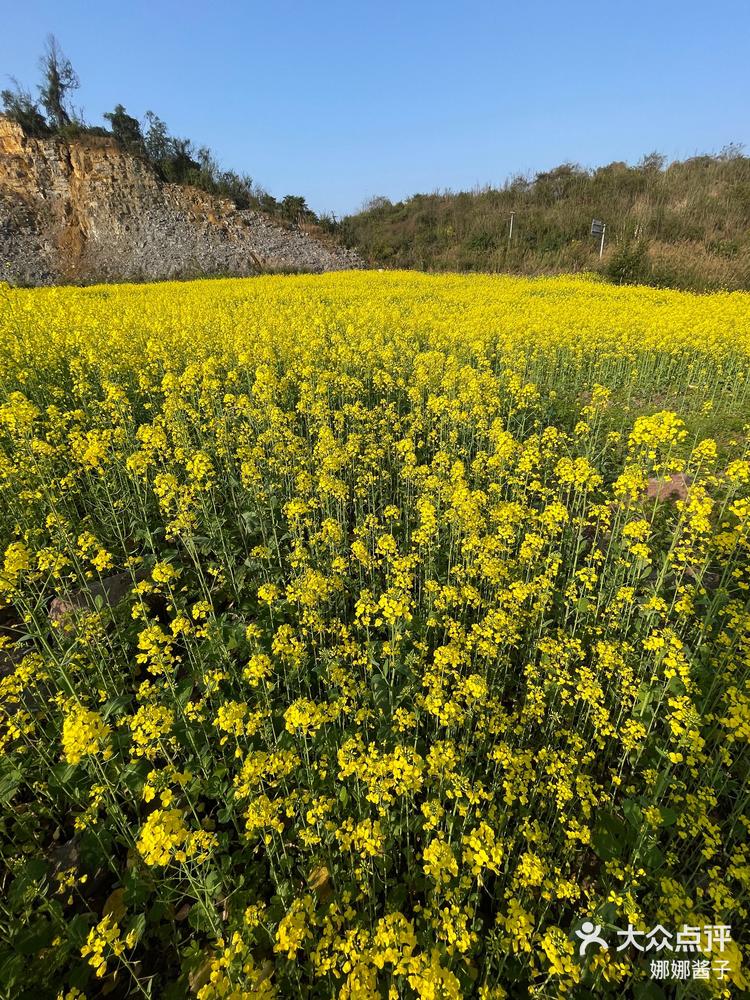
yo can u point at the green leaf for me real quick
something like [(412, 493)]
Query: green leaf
[(137, 890), (213, 882), (78, 929), (61, 775), (199, 918), (184, 691), (381, 692), (652, 857), (115, 705), (138, 924), (27, 881), (10, 779), (32, 939), (633, 813), (668, 816), (12, 969), (610, 837)]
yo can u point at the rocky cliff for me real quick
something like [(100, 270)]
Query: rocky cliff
[(84, 210)]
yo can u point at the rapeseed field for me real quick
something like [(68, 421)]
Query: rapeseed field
[(374, 635)]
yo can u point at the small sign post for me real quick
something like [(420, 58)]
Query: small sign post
[(599, 228), (510, 228)]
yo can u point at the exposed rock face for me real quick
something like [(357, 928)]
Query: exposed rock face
[(86, 211)]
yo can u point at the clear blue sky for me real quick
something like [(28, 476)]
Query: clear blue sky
[(340, 101)]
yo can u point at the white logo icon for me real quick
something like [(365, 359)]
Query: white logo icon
[(590, 935)]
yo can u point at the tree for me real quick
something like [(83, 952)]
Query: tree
[(125, 129), (20, 106), (157, 138), (267, 203), (59, 78), (652, 162), (294, 208), (377, 203), (181, 165), (561, 182), (238, 187)]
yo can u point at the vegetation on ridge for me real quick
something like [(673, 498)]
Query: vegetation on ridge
[(684, 224)]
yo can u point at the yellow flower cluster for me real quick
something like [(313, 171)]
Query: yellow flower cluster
[(84, 734), (164, 838), (104, 942)]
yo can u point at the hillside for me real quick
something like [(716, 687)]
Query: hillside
[(685, 225), (83, 210)]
